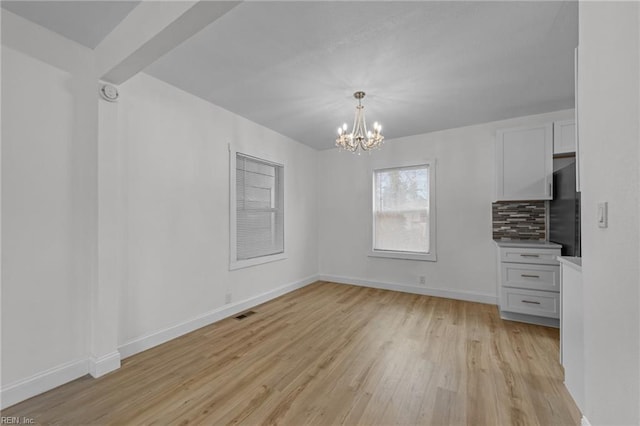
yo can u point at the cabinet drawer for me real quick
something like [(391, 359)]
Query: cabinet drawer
[(529, 255), (531, 302), (531, 276)]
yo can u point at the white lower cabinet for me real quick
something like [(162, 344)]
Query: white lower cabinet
[(529, 280)]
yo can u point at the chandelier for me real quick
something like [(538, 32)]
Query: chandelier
[(359, 138)]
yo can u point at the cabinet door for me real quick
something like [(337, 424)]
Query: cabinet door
[(564, 137), (524, 163), (573, 333)]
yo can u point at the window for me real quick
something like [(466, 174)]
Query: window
[(403, 214), (257, 219)]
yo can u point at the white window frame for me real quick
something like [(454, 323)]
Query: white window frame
[(431, 255), (234, 262)]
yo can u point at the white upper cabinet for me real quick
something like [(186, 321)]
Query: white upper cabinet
[(524, 163), (564, 137)]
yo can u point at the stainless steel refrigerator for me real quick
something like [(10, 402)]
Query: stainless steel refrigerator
[(564, 209)]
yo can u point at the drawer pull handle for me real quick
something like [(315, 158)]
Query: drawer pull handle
[(529, 276), (530, 255), (531, 302)]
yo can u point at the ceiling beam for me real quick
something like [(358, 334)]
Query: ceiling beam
[(27, 37), (152, 29)]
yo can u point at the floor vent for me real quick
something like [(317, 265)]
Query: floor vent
[(244, 315)]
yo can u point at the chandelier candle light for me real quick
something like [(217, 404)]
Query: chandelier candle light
[(359, 138)]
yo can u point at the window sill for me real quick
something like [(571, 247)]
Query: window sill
[(426, 257), (240, 264)]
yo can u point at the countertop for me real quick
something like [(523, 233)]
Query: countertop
[(572, 262), (527, 244)]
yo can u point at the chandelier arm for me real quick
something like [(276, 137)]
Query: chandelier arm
[(354, 128), (364, 125)]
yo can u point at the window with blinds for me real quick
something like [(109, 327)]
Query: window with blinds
[(402, 220), (259, 208)]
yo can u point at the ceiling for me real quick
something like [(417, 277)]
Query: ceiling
[(425, 66), (85, 22)]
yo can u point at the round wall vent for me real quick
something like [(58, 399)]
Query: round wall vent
[(109, 93)]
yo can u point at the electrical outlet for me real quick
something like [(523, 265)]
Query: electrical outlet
[(227, 298), (423, 280)]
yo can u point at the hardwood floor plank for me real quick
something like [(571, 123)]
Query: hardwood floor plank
[(331, 354)]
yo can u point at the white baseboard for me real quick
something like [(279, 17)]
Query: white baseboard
[(148, 341), (584, 422), (427, 291), (42, 382), (104, 364)]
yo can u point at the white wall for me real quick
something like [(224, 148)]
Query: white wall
[(176, 164), (173, 202), (49, 207), (466, 265), (44, 302), (609, 120)]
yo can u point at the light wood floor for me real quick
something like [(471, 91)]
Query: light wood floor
[(332, 354)]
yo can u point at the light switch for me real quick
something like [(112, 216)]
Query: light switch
[(603, 220)]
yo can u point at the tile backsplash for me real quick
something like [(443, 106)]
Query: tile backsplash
[(519, 220)]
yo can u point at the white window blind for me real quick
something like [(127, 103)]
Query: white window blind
[(401, 216), (259, 208)]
